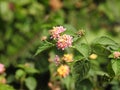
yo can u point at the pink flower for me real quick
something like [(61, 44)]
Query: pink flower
[(2, 68), (64, 41), (57, 60), (116, 54), (55, 32)]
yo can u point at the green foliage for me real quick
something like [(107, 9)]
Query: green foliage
[(83, 48), (110, 70), (81, 69), (24, 22), (6, 87), (106, 41), (19, 73), (43, 46), (31, 83), (81, 85), (103, 46), (108, 9), (116, 66), (70, 30), (28, 69)]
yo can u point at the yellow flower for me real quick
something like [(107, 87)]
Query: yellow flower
[(63, 70), (68, 57), (93, 56)]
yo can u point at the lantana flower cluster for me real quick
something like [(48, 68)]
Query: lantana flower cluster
[(63, 69), (63, 41)]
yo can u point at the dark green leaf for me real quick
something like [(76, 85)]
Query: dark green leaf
[(100, 50), (83, 85), (110, 70), (80, 69)]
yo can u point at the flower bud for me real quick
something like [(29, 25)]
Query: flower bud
[(93, 56)]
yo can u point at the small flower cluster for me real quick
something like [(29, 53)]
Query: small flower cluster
[(63, 41), (63, 69), (116, 54), (56, 31), (68, 57)]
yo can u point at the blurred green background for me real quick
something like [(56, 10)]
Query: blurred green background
[(23, 23)]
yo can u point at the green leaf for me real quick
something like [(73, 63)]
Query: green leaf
[(6, 87), (43, 46), (68, 82), (42, 64), (81, 69), (19, 73), (100, 50), (78, 55), (70, 30), (31, 83), (29, 69), (83, 49), (85, 84), (116, 66), (25, 2), (106, 41)]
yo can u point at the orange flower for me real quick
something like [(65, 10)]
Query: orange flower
[(68, 57), (63, 70)]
